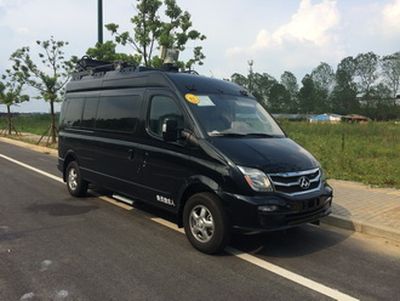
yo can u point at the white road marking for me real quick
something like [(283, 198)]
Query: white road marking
[(32, 168), (311, 284)]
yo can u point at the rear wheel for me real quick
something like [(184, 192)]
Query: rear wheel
[(206, 224), (76, 185)]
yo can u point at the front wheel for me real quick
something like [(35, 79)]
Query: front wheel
[(206, 224), (76, 185)]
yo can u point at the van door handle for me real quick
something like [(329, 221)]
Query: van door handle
[(131, 155)]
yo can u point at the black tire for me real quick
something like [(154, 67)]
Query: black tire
[(221, 228), (79, 187)]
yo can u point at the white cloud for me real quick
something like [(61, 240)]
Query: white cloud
[(312, 23), (391, 17)]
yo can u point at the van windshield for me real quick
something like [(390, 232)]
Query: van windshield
[(228, 115)]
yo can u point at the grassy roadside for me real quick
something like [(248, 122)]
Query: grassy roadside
[(367, 153), (36, 123)]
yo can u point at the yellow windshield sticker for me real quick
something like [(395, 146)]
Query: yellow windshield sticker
[(192, 98)]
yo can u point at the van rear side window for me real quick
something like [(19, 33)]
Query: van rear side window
[(118, 113), (73, 112), (89, 112)]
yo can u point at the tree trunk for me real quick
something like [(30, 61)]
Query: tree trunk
[(9, 126), (53, 129)]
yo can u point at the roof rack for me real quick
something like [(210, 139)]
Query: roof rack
[(89, 66)]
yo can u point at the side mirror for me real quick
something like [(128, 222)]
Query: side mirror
[(170, 130)]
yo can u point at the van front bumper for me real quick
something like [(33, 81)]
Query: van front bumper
[(276, 211)]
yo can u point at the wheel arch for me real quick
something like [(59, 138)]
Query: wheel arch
[(196, 184)]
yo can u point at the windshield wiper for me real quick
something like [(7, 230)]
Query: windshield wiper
[(261, 135)]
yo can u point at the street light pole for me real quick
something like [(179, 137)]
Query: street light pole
[(100, 21)]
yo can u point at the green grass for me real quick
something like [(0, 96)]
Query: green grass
[(370, 152), (35, 123)]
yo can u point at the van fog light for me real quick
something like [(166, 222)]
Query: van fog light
[(267, 208)]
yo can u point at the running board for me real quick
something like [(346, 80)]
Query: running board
[(123, 199)]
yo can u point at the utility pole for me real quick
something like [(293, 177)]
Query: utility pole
[(250, 62), (100, 21)]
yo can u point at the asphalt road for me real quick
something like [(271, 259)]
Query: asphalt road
[(55, 247)]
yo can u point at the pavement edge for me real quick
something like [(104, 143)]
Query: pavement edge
[(34, 147), (362, 227)]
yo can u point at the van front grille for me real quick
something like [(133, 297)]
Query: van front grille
[(295, 183)]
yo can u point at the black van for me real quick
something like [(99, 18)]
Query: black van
[(200, 148)]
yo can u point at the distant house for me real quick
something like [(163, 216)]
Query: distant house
[(330, 118), (355, 118)]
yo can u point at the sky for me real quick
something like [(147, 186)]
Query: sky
[(278, 35)]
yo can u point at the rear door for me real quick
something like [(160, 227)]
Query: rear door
[(116, 153)]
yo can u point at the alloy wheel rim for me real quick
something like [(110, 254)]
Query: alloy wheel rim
[(72, 179), (201, 223)]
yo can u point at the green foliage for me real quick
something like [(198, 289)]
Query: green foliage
[(391, 72), (279, 99), (257, 84), (50, 75), (370, 154), (106, 52), (366, 84), (150, 31), (323, 77), (11, 89), (312, 99), (366, 71)]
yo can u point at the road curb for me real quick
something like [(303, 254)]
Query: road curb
[(362, 227), (34, 147)]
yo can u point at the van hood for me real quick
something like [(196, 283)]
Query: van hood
[(271, 155)]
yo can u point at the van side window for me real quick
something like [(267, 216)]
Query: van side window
[(161, 109), (89, 112), (73, 114), (118, 113)]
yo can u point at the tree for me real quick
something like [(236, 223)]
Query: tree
[(106, 52), (344, 95), (150, 32), (279, 100), (366, 71), (289, 81), (381, 107), (49, 77), (323, 76), (391, 73), (11, 94), (311, 97), (258, 84)]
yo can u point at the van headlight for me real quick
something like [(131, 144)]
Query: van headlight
[(256, 179)]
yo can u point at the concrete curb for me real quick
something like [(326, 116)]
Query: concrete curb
[(362, 227), (34, 147)]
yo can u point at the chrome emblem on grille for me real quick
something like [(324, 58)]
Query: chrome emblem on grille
[(304, 182)]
